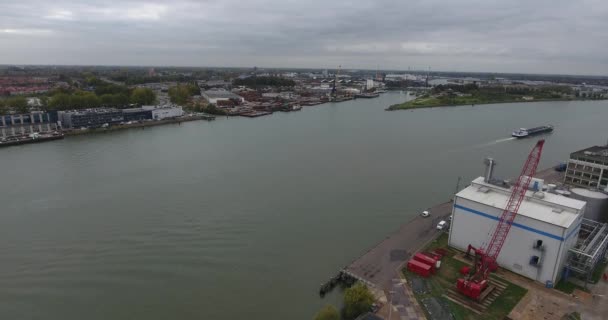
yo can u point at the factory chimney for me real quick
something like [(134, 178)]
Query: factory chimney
[(490, 163)]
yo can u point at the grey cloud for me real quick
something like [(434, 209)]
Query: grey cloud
[(505, 36)]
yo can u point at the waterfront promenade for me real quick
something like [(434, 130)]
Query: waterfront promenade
[(380, 267)]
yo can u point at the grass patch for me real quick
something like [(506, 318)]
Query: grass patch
[(477, 97), (445, 279), (439, 242), (506, 302), (568, 287)]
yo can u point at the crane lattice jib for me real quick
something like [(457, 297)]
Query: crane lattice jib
[(518, 194)]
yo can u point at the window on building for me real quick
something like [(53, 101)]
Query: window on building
[(535, 261)]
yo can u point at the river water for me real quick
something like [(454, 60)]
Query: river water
[(242, 218)]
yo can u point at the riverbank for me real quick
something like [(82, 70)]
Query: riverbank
[(75, 132), (435, 102)]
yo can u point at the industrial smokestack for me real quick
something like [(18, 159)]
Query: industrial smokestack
[(489, 174)]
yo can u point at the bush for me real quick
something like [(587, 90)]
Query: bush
[(328, 312), (357, 300)]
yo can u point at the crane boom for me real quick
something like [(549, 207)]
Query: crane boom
[(485, 258), (517, 196)]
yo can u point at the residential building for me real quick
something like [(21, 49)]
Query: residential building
[(22, 124), (90, 118), (136, 114)]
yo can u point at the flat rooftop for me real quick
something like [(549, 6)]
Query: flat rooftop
[(552, 208), (599, 152), (214, 94)]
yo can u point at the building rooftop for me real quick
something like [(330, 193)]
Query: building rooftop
[(595, 152), (213, 94), (552, 208), (92, 111)]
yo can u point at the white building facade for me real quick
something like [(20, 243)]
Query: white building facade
[(215, 96), (536, 247), (164, 112)]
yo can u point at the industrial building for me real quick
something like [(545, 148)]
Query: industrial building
[(215, 96), (588, 168), (544, 230), (23, 124)]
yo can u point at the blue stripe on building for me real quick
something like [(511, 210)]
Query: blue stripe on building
[(574, 230), (518, 225)]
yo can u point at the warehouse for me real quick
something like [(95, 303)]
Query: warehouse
[(215, 96), (543, 232)]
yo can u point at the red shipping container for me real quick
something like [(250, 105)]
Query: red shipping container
[(426, 260), (419, 268)]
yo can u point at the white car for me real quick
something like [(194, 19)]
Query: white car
[(425, 213), (441, 225)]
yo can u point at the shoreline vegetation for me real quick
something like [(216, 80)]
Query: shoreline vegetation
[(471, 94)]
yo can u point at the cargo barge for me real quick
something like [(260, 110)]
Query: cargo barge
[(523, 132), (367, 95), (32, 138)]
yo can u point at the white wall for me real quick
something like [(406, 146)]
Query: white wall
[(163, 113), (476, 229), (571, 235)]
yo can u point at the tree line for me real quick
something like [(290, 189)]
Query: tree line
[(18, 104), (79, 99)]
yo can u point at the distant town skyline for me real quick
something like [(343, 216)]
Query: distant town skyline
[(549, 37)]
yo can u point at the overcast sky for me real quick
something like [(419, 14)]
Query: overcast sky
[(532, 36)]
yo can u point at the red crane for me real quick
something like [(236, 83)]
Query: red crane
[(476, 281)]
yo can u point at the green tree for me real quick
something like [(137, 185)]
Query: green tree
[(357, 300), (19, 104), (143, 96), (60, 101), (212, 109), (118, 100), (328, 312), (180, 94), (44, 101), (88, 100)]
